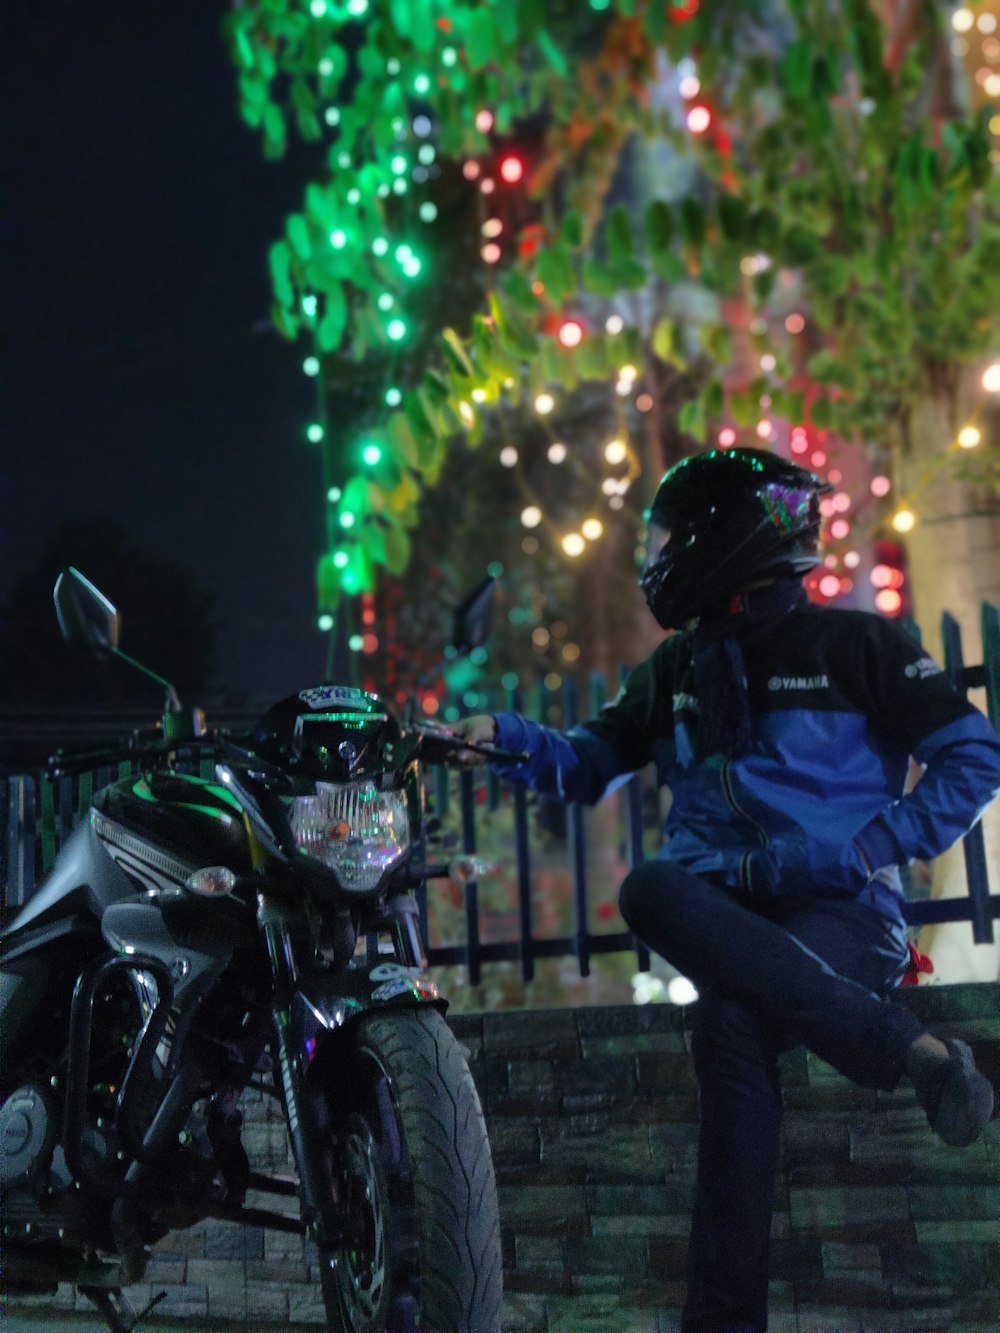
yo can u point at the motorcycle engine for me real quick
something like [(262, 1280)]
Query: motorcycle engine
[(27, 1135)]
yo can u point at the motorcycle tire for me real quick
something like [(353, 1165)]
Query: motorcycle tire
[(412, 1156)]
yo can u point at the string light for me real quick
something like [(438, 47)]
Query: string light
[(531, 516), (508, 456), (544, 403), (614, 324), (904, 520), (616, 451), (556, 452), (574, 544), (991, 378), (968, 437)]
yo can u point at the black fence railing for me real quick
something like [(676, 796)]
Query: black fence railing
[(37, 814)]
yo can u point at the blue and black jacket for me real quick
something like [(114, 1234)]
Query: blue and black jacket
[(839, 701)]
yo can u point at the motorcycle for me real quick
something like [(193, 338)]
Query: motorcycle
[(249, 924)]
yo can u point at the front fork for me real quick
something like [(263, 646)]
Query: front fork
[(319, 1192)]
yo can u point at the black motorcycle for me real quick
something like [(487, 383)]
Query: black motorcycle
[(233, 915)]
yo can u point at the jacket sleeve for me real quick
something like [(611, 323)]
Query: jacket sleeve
[(583, 764), (914, 703)]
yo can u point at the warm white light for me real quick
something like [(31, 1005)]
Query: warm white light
[(689, 86), (614, 324), (557, 453), (904, 520), (889, 602), (484, 121), (491, 253), (628, 372), (609, 486), (991, 378), (852, 559), (681, 991), (592, 529), (616, 451), (764, 428), (962, 19), (544, 404), (969, 437), (492, 228), (531, 516), (466, 413), (698, 119), (727, 437), (508, 455), (573, 544), (986, 23), (767, 362), (829, 585)]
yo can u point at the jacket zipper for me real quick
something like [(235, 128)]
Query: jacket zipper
[(730, 794)]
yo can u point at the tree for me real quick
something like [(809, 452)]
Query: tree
[(166, 624), (789, 203)]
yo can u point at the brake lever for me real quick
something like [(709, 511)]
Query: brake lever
[(453, 742)]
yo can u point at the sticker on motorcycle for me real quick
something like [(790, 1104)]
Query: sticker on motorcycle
[(390, 971), (389, 989), (328, 694)]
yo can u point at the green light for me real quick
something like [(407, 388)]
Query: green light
[(310, 366), (309, 304), (372, 453), (338, 238), (317, 9), (396, 330), (399, 186), (354, 196), (357, 8), (449, 56), (380, 246), (385, 301), (393, 397), (356, 642), (382, 191), (471, 699), (325, 623), (332, 115), (343, 160), (428, 211), (333, 494), (412, 267), (341, 559), (399, 164), (494, 569), (325, 67), (426, 154), (392, 66), (421, 84), (478, 656), (600, 4), (452, 714), (510, 680), (314, 433), (403, 253), (347, 519)]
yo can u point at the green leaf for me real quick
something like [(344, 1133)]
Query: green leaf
[(659, 224), (819, 413), (281, 272), (480, 37), (457, 354), (799, 247), (555, 269), (572, 229), (593, 357), (618, 233), (397, 549), (552, 54), (795, 70), (517, 339), (763, 284), (298, 234), (691, 419), (330, 329), (717, 342), (664, 338), (764, 230), (692, 220), (742, 407), (599, 278), (328, 584), (518, 288), (714, 397), (733, 216), (400, 434), (274, 131)]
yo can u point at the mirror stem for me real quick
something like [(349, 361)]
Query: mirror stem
[(173, 700)]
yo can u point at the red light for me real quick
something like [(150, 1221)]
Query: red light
[(571, 333), (511, 169), (884, 576), (889, 602)]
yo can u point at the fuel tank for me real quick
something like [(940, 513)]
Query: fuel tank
[(161, 826)]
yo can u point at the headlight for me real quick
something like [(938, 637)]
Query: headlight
[(355, 829)]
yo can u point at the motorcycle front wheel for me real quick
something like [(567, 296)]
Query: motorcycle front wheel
[(410, 1154)]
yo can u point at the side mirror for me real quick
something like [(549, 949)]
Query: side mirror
[(473, 618), (85, 615)]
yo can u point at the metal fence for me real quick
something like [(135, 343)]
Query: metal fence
[(37, 814)]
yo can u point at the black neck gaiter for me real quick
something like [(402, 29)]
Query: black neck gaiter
[(719, 669)]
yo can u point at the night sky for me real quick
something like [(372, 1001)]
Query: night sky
[(141, 376)]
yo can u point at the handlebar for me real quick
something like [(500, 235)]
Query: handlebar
[(451, 744)]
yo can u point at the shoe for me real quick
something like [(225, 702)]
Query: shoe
[(956, 1097)]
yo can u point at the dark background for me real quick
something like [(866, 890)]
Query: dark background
[(141, 377)]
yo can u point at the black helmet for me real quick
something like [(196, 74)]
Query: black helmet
[(734, 516)]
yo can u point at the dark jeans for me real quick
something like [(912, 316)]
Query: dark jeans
[(772, 976)]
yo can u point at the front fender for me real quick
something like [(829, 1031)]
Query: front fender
[(324, 1004)]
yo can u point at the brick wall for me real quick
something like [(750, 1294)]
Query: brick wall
[(592, 1118)]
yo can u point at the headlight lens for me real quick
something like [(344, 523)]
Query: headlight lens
[(355, 829)]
